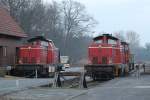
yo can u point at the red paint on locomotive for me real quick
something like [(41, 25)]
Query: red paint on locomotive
[(108, 57), (38, 50), (107, 49)]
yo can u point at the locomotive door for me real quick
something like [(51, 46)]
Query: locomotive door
[(113, 55), (49, 54), (104, 60), (95, 60)]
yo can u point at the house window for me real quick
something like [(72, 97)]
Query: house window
[(4, 51)]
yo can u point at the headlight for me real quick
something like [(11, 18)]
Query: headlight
[(20, 61)]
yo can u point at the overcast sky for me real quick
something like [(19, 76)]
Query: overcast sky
[(116, 15)]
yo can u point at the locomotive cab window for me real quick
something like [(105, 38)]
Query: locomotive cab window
[(126, 48), (44, 43), (110, 41), (34, 43), (98, 41)]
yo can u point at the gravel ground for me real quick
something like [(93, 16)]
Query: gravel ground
[(10, 85), (127, 88), (46, 94)]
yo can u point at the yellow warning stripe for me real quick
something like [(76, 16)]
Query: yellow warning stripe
[(105, 47)]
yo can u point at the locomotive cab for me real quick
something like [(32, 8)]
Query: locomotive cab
[(108, 57), (39, 56), (38, 50), (102, 49)]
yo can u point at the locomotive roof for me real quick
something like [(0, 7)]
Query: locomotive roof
[(109, 36), (124, 43), (39, 38)]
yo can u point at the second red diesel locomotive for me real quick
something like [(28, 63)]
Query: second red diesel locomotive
[(108, 57), (38, 56)]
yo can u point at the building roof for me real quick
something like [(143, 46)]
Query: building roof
[(8, 26), (109, 36)]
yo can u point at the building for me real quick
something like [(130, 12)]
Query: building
[(10, 38)]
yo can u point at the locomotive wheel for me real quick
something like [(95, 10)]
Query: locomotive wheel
[(112, 76)]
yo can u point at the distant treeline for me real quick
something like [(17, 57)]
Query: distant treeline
[(66, 23), (141, 53)]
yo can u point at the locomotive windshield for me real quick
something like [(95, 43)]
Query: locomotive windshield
[(98, 41), (110, 41)]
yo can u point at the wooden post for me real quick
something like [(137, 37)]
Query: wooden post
[(57, 81), (36, 73), (82, 81)]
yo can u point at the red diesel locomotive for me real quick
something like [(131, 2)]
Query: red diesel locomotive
[(108, 57), (39, 56)]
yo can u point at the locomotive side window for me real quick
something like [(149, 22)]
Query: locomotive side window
[(127, 48), (34, 43), (43, 43), (52, 44)]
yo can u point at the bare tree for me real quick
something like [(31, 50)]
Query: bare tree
[(66, 23), (15, 6), (147, 45), (53, 18), (53, 26), (133, 38), (76, 21), (120, 35)]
